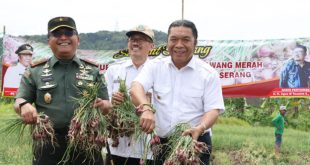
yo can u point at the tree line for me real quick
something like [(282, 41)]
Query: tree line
[(103, 40)]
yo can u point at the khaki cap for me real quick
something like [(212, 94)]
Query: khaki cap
[(142, 29)]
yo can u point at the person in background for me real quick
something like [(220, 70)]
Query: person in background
[(14, 73), (296, 72), (186, 89), (52, 84), (278, 123), (140, 42)]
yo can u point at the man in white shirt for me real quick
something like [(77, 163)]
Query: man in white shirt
[(14, 73), (140, 42), (186, 89)]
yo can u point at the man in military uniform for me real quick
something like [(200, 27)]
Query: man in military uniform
[(52, 84), (14, 73)]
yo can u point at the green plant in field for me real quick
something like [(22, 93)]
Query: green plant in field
[(234, 107), (232, 121), (6, 100), (252, 153)]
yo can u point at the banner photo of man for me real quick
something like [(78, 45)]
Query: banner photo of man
[(15, 71), (247, 68)]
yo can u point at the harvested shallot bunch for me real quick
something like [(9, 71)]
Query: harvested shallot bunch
[(183, 149), (123, 121), (42, 131), (88, 127)]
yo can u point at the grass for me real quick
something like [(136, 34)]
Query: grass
[(255, 145), (236, 143), (12, 151)]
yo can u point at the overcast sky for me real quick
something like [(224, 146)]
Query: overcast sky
[(215, 19)]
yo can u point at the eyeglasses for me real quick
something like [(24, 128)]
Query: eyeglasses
[(139, 40), (59, 33)]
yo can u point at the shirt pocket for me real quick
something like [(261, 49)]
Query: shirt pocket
[(161, 94), (192, 99)]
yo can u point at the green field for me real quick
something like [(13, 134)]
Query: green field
[(12, 151), (254, 145), (232, 144)]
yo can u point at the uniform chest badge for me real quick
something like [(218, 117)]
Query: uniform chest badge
[(80, 83), (47, 98), (48, 86)]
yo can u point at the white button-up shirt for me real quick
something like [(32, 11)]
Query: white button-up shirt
[(181, 95), (124, 70), (13, 76)]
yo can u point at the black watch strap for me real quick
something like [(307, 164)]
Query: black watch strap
[(22, 104)]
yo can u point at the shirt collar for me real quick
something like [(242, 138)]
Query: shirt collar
[(190, 64), (129, 63), (55, 60)]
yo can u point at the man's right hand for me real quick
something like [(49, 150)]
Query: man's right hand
[(29, 114)]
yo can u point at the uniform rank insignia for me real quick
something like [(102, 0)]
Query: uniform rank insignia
[(84, 73), (84, 77)]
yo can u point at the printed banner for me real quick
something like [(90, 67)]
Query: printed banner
[(11, 63), (247, 68)]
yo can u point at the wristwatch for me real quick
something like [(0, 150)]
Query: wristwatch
[(23, 103)]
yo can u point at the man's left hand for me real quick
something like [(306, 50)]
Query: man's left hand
[(147, 121)]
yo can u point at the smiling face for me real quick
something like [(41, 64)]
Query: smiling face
[(139, 46), (64, 42), (25, 59), (181, 45)]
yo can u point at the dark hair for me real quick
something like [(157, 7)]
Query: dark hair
[(302, 47), (185, 23)]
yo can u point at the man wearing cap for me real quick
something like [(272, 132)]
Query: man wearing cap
[(14, 73), (52, 85), (186, 89), (278, 123), (140, 42)]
